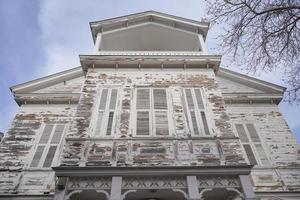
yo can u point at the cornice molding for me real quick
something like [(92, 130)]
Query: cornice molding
[(71, 171), (47, 98)]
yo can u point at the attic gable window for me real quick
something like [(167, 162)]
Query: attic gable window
[(48, 145), (252, 144)]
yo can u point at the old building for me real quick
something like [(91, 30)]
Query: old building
[(149, 114)]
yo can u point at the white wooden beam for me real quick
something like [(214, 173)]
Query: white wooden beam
[(116, 186), (97, 43), (202, 44)]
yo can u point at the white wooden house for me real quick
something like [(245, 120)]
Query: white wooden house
[(149, 114)]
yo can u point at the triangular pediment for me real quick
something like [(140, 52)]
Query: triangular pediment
[(236, 83), (68, 81), (68, 84), (137, 19), (149, 36)]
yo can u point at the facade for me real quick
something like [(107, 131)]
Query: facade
[(149, 114)]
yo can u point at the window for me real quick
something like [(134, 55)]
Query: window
[(151, 112), (106, 112), (48, 145), (196, 112), (252, 144)]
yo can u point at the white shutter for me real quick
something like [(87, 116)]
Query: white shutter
[(199, 99), (57, 134), (241, 132), (109, 124), (194, 122), (250, 154), (103, 99), (46, 134), (161, 123), (113, 99), (37, 156), (252, 132), (50, 156), (205, 124), (143, 99), (189, 98), (160, 99), (262, 155), (142, 126)]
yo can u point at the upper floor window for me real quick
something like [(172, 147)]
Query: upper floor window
[(151, 112), (48, 145), (196, 112), (252, 144), (106, 112)]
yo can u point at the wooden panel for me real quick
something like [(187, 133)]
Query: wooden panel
[(37, 156), (103, 99), (109, 124), (142, 126), (262, 155), (160, 99), (205, 124), (241, 132), (250, 154), (143, 99), (189, 98), (50, 156), (161, 123), (58, 134), (194, 123), (199, 99), (113, 99), (46, 133), (253, 134)]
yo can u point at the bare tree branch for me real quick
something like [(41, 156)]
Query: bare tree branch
[(262, 35)]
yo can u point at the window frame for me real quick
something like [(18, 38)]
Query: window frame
[(58, 150), (252, 144), (152, 112), (94, 128), (197, 112)]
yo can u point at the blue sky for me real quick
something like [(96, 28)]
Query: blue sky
[(41, 37)]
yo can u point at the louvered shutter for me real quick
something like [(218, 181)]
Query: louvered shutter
[(160, 99), (143, 99), (262, 155), (109, 124), (113, 99), (194, 122), (252, 132), (189, 98), (241, 132), (37, 156), (199, 99), (57, 134), (161, 123), (250, 154), (205, 124), (50, 156), (46, 133), (142, 127), (103, 99)]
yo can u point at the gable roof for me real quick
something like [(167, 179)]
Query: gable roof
[(145, 17), (26, 91)]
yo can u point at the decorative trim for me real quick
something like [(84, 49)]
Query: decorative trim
[(72, 171), (73, 192)]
